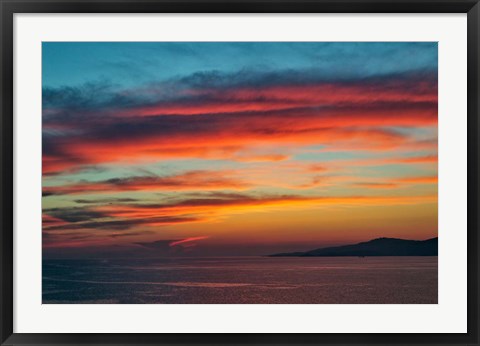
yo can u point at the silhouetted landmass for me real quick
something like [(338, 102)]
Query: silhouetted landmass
[(375, 247)]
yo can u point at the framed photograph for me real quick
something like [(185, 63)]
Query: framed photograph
[(235, 173)]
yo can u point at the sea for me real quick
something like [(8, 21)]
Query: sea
[(242, 280)]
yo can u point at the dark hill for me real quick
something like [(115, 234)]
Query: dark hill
[(375, 247)]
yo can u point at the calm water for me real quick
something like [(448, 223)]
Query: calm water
[(243, 280)]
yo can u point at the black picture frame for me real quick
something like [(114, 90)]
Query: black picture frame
[(9, 7)]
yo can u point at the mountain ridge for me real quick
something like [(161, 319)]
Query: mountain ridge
[(375, 247)]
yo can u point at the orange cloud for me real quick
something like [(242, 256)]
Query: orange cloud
[(212, 207), (261, 158), (206, 208), (419, 180), (428, 159), (377, 185), (419, 159), (398, 182)]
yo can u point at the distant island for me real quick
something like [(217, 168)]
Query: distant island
[(375, 247)]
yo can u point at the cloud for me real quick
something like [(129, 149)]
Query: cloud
[(129, 234), (191, 180), (261, 158), (50, 239), (135, 218), (210, 207), (317, 168), (203, 88), (214, 115), (167, 247), (125, 224), (93, 217), (315, 181), (157, 244), (105, 200), (373, 162), (398, 182), (187, 240), (74, 214), (419, 159), (376, 185), (90, 96), (419, 180)]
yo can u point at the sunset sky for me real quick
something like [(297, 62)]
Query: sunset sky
[(175, 149)]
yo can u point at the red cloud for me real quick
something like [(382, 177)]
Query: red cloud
[(211, 101), (229, 122)]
